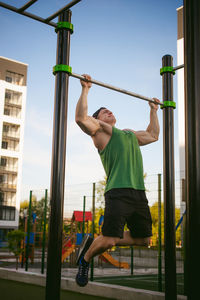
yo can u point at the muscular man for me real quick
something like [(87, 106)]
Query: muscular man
[(125, 199)]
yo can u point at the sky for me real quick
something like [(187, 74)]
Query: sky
[(120, 42)]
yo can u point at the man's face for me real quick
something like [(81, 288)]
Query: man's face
[(107, 116)]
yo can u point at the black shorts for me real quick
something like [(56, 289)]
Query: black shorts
[(127, 206)]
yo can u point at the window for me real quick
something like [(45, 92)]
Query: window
[(4, 145), (7, 213), (14, 78), (9, 79), (3, 161), (1, 198), (7, 111), (8, 95), (5, 128), (2, 178), (13, 97)]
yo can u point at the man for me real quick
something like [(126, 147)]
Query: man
[(125, 199)]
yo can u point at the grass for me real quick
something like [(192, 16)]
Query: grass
[(146, 282)]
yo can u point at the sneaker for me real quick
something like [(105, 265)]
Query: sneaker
[(85, 245), (82, 275)]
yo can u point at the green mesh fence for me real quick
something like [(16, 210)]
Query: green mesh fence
[(140, 267)]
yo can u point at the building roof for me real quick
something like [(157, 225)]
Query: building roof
[(78, 216)]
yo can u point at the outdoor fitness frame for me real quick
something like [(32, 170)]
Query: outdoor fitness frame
[(192, 124)]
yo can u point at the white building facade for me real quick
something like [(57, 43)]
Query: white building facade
[(13, 78), (181, 104)]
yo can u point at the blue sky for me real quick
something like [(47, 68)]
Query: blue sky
[(118, 42)]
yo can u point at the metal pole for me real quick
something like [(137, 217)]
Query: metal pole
[(114, 88), (53, 278), (159, 236), (66, 7), (192, 123), (83, 226), (27, 5), (169, 183), (27, 14), (178, 67), (28, 230), (93, 229), (132, 252), (44, 231)]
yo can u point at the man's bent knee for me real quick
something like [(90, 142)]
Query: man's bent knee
[(142, 241), (110, 242)]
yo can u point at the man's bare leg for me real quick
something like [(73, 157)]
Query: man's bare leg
[(128, 240), (103, 243), (100, 245)]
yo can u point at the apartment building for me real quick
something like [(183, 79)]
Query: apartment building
[(13, 78)]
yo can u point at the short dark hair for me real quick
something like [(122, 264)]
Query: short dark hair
[(95, 115)]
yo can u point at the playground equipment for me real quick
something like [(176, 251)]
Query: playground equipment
[(192, 74), (67, 248), (108, 258), (79, 219)]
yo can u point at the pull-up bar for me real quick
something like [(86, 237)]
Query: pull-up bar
[(27, 14), (68, 6), (178, 67), (111, 87), (47, 21), (27, 5)]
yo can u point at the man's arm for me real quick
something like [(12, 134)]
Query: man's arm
[(151, 134), (88, 124)]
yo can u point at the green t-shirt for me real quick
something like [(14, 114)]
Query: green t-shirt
[(122, 161)]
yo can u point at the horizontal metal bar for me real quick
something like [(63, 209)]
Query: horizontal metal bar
[(178, 67), (27, 5), (29, 15), (68, 6), (111, 87)]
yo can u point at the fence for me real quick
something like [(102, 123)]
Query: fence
[(139, 267)]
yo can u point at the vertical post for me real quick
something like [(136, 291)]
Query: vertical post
[(159, 236), (44, 231), (132, 252), (53, 278), (169, 180), (28, 230), (93, 228), (192, 123), (83, 224)]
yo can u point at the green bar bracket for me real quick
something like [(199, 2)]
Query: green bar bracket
[(168, 104), (62, 68), (167, 70), (65, 25)]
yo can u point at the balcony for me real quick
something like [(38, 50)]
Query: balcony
[(10, 145), (12, 111), (14, 78), (7, 187), (9, 136), (13, 103), (8, 170)]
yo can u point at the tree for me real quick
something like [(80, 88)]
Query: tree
[(15, 239), (37, 207), (154, 215)]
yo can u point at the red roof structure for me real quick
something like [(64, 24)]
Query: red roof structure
[(78, 216)]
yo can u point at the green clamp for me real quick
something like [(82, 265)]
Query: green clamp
[(167, 70), (168, 104), (64, 25), (62, 68)]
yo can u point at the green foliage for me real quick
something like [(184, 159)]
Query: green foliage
[(154, 215), (100, 194), (37, 207), (15, 238)]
